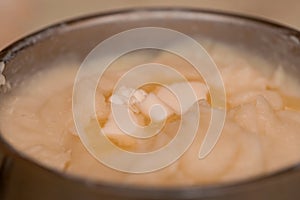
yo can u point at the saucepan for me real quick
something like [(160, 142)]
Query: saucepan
[(21, 178)]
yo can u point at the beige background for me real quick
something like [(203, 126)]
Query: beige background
[(20, 17)]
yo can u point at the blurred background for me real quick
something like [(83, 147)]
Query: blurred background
[(20, 17)]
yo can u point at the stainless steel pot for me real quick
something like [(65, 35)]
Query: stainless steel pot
[(23, 179)]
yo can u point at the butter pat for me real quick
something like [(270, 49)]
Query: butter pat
[(139, 101), (154, 108), (121, 96), (181, 96)]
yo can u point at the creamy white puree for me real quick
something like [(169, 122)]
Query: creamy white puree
[(261, 132)]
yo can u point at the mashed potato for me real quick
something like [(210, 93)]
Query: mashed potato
[(260, 135)]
